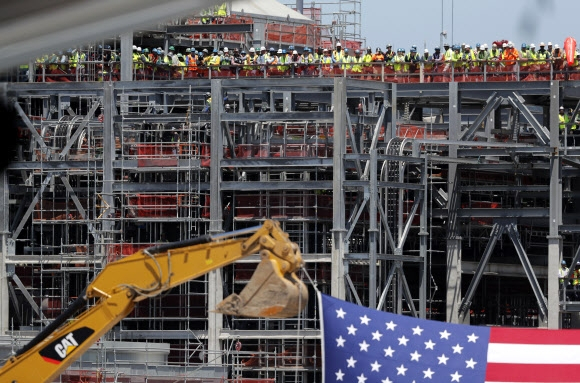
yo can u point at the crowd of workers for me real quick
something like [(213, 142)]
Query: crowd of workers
[(500, 62)]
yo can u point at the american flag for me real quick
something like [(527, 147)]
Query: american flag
[(362, 345)]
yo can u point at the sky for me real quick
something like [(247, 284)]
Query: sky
[(418, 22)]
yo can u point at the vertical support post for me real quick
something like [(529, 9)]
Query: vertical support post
[(554, 238), (337, 286), (373, 230), (4, 231), (108, 158), (215, 278), (453, 239), (423, 240), (127, 59)]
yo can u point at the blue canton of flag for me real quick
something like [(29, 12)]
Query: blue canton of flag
[(363, 345)]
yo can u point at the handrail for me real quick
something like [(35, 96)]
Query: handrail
[(405, 72)]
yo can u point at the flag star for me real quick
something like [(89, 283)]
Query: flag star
[(375, 366), (401, 370), (445, 334), (361, 378), (365, 320), (387, 380), (443, 359), (417, 330), (389, 351), (340, 341), (472, 338), (364, 346), (339, 375), (429, 345), (457, 349), (351, 362), (340, 313), (415, 356), (391, 326), (351, 330), (470, 363), (377, 335), (455, 377), (402, 340), (428, 373)]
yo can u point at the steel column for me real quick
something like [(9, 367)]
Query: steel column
[(337, 286)]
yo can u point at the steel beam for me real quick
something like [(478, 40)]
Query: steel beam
[(492, 103), (339, 247), (496, 233), (515, 237), (541, 132)]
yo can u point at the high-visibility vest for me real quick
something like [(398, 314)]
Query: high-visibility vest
[(399, 61), (563, 118), (357, 63), (338, 56), (367, 59)]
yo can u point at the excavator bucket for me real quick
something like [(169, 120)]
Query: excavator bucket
[(269, 294)]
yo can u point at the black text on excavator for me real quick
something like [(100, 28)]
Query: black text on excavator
[(274, 291)]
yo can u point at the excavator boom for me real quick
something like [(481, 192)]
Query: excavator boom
[(274, 291)]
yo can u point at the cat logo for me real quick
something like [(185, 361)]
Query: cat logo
[(58, 350)]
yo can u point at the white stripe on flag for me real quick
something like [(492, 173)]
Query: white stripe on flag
[(533, 353)]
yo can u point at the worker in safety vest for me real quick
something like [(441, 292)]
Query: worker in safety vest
[(378, 56), (399, 62), (338, 53), (327, 61), (562, 119), (562, 274), (367, 60), (389, 53), (510, 55), (356, 62), (469, 59), (558, 58), (532, 55), (543, 55), (447, 52)]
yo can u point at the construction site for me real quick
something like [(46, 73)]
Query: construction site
[(453, 201)]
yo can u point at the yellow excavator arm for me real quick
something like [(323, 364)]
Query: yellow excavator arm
[(274, 291)]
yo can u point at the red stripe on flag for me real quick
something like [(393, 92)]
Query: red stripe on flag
[(504, 372), (533, 336)]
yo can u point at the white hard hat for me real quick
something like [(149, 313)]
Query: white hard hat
[(494, 45), (542, 44), (338, 44), (262, 48), (510, 44), (294, 52), (226, 49), (462, 44), (252, 50), (467, 47), (426, 50), (549, 43), (504, 45), (532, 46), (484, 46), (134, 47), (279, 51), (138, 49), (556, 46)]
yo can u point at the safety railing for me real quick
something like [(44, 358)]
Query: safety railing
[(403, 72)]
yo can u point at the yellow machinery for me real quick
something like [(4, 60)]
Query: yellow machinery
[(274, 291)]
